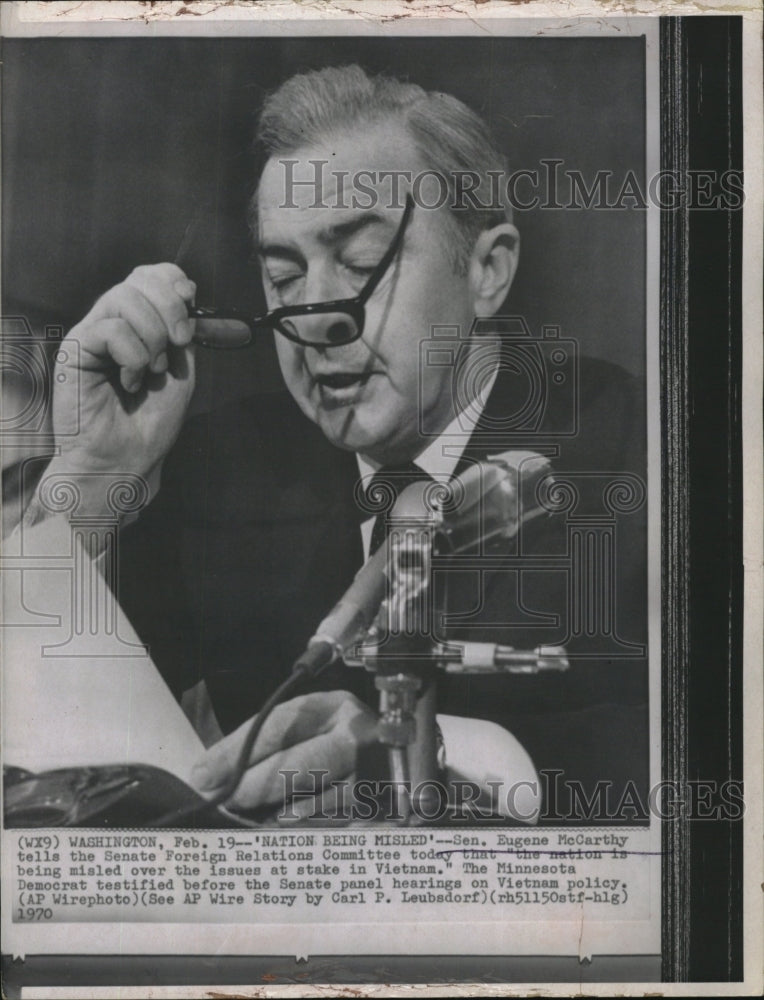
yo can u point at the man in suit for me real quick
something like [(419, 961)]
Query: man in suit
[(256, 528)]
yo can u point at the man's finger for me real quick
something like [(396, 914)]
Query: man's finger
[(170, 292), (329, 755), (300, 770), (114, 341), (128, 303), (289, 724), (182, 364)]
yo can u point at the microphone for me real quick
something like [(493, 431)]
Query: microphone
[(352, 616), (491, 499)]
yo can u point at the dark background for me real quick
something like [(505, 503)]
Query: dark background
[(112, 147)]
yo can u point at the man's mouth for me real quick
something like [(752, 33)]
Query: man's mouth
[(342, 380), (341, 388)]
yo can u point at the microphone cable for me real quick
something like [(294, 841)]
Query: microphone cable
[(316, 658)]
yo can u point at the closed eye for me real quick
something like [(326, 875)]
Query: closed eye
[(282, 281), (285, 282), (362, 269)]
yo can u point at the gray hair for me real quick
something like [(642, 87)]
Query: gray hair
[(451, 138)]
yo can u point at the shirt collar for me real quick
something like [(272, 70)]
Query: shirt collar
[(441, 456)]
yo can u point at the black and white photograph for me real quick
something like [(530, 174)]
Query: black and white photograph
[(360, 425)]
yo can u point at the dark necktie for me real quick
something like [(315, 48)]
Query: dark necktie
[(393, 480)]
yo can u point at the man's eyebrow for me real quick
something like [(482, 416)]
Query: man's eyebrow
[(335, 231), (342, 230), (280, 250)]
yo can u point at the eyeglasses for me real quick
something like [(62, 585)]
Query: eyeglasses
[(229, 329)]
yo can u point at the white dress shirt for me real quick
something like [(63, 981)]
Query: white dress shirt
[(439, 458)]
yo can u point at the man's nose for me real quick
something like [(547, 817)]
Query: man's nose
[(322, 329)]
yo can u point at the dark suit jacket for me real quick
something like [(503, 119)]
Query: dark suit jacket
[(255, 535)]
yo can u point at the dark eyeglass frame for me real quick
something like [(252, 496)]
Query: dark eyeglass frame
[(353, 307)]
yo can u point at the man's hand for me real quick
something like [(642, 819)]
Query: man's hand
[(120, 398), (327, 731)]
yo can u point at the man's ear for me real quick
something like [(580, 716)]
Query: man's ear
[(492, 267)]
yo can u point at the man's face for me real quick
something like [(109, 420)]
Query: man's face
[(370, 396)]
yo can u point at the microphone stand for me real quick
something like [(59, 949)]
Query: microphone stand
[(406, 670), (406, 658), (489, 501)]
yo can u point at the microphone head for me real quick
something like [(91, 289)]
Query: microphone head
[(420, 502), (492, 499)]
